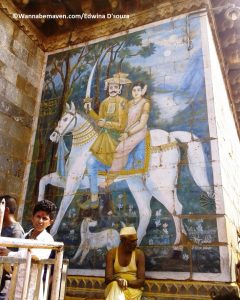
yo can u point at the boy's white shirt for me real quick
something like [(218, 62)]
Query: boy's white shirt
[(44, 236)]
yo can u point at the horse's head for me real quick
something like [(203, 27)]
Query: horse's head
[(66, 124)]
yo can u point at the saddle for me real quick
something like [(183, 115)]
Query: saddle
[(138, 160)]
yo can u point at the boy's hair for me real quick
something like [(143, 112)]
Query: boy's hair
[(45, 205), (10, 203), (139, 83)]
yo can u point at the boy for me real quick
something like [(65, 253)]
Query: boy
[(43, 216)]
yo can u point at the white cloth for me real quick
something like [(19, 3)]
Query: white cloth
[(128, 231), (44, 236)]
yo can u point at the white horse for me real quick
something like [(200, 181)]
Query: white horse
[(159, 181)]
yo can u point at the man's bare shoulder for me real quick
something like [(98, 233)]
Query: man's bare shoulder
[(139, 253), (112, 252)]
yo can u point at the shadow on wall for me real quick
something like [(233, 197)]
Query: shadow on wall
[(224, 296)]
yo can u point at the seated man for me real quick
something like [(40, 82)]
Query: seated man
[(125, 268)]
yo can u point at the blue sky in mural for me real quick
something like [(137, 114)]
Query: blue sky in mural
[(174, 93), (176, 72)]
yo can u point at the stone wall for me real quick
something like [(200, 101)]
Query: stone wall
[(21, 63)]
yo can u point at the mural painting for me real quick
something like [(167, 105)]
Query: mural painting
[(123, 139)]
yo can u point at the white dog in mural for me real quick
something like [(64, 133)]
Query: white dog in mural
[(108, 238)]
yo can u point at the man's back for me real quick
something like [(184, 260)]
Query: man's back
[(14, 230)]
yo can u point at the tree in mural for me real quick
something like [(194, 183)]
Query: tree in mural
[(62, 72), (115, 52)]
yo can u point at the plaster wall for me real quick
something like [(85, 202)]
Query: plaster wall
[(21, 63), (181, 84), (226, 155)]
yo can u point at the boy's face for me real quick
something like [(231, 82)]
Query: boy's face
[(41, 220), (137, 92)]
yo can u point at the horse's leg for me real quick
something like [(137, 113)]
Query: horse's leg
[(53, 179), (142, 197), (162, 181), (196, 160), (66, 201), (73, 180), (72, 185), (168, 197)]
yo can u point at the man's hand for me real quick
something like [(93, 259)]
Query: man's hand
[(4, 251), (87, 106), (101, 122), (122, 283), (35, 258), (123, 136)]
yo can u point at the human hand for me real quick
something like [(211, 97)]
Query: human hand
[(87, 106), (122, 283), (35, 258), (4, 251), (123, 136), (101, 123)]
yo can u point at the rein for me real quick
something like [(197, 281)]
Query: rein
[(62, 150), (81, 136), (65, 129), (74, 118)]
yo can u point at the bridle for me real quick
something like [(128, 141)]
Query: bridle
[(74, 118)]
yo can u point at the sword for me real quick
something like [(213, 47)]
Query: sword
[(88, 100)]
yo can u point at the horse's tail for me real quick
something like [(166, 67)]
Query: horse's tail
[(196, 159)]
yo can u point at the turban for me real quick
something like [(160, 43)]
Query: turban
[(128, 231)]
